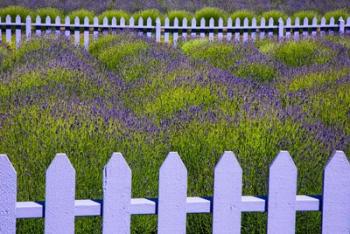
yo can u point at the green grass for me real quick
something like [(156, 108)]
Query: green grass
[(336, 14), (256, 71), (149, 13), (117, 14), (180, 15), (242, 14), (210, 12), (13, 11), (275, 15), (51, 12), (81, 14), (306, 14)]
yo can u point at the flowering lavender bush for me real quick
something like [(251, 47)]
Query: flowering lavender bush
[(145, 99)]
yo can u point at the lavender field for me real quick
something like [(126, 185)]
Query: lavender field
[(143, 99)]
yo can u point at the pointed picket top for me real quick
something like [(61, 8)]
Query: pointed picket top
[(246, 21), (122, 21), (58, 20), (282, 195), (95, 21), (86, 21), (229, 22), (8, 19), (166, 22), (76, 20), (184, 22), (202, 22), (67, 21), (336, 193), (348, 21), (131, 21), (262, 21), (8, 196), (48, 20), (314, 21), (306, 21), (254, 22), (193, 22), (271, 22), (211, 22), (60, 196), (114, 22), (221, 22), (149, 21), (116, 195), (323, 21), (227, 195), (176, 22), (280, 20), (288, 21), (18, 19), (105, 21), (140, 21), (172, 195), (238, 22), (28, 27), (331, 21), (158, 29)]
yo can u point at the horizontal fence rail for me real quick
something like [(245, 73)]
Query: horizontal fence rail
[(172, 205), (170, 32)]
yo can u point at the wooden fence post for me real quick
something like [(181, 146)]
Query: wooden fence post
[(60, 196), (48, 25), (323, 24), (8, 196), (140, 25), (331, 25), (227, 195), (347, 30), (58, 26), (18, 31), (158, 29), (296, 28), (270, 31), (86, 32), (245, 30), (282, 195), (254, 29), (172, 196), (288, 28), (336, 194), (95, 33), (114, 25), (237, 29), (314, 27), (38, 26), (149, 27), (211, 29), (0, 30), (116, 196), (8, 29), (193, 28), (262, 28), (306, 28), (202, 29)]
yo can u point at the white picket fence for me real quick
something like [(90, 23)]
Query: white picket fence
[(226, 205), (237, 31)]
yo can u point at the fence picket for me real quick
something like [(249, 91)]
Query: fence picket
[(122, 23), (86, 32), (116, 195), (227, 195), (8, 196), (271, 23), (220, 30), (336, 194), (288, 28), (193, 28), (211, 30), (176, 31), (95, 33), (331, 25), (18, 31), (58, 27), (314, 27), (253, 33), (341, 26), (229, 29), (60, 196), (280, 29), (322, 29), (158, 30), (76, 31), (67, 27), (184, 30), (347, 29), (48, 25), (172, 196), (297, 28), (105, 26), (166, 33), (262, 26), (305, 28), (8, 29), (114, 25), (132, 22), (149, 27), (0, 30), (245, 30), (202, 29), (237, 31), (281, 197), (140, 25)]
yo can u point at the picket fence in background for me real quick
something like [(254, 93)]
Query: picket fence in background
[(237, 31), (226, 205)]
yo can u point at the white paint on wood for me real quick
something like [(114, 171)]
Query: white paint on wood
[(193, 26), (221, 28), (176, 32), (76, 31), (172, 196), (296, 31), (271, 24), (314, 27), (158, 30), (140, 24), (341, 26), (58, 22), (331, 24), (18, 31), (48, 25), (96, 24), (184, 30), (211, 31), (245, 31), (322, 29), (305, 28), (114, 25), (227, 195), (280, 29), (229, 28), (347, 30), (336, 194), (8, 196), (59, 196), (288, 26), (202, 33), (8, 29), (281, 197), (253, 33), (166, 33), (237, 33), (116, 195), (132, 22), (86, 32), (105, 26), (149, 27), (262, 26), (67, 27), (28, 27)]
